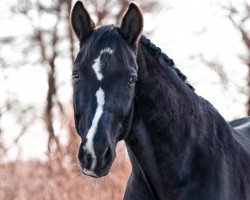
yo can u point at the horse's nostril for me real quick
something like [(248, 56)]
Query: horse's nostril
[(85, 159), (105, 152), (106, 156)]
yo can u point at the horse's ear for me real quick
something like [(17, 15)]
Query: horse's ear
[(132, 23), (81, 22)]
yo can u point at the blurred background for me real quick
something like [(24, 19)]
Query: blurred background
[(209, 41)]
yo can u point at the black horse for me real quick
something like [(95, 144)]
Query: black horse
[(179, 145)]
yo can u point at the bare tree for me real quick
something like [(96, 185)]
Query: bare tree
[(240, 19)]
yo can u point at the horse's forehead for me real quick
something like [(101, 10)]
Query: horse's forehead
[(108, 59), (97, 65), (104, 60)]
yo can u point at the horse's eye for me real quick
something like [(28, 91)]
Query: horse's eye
[(132, 80), (76, 77)]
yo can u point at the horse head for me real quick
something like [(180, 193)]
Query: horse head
[(105, 73)]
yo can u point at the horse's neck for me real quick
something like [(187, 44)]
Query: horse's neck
[(169, 117), (168, 107)]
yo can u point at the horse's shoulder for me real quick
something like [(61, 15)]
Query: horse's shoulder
[(242, 131), (241, 123), (242, 126)]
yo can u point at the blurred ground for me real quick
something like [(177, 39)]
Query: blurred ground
[(38, 180)]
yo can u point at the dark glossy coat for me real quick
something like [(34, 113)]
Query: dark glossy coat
[(180, 147)]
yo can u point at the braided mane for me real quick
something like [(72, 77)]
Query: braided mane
[(169, 62)]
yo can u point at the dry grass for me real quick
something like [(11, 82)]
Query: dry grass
[(38, 181)]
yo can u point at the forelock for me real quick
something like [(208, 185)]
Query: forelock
[(101, 38)]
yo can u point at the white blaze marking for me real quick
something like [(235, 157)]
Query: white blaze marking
[(100, 97), (97, 65)]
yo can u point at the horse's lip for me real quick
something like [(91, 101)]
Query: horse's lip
[(91, 176), (96, 176), (104, 170), (89, 173), (99, 173)]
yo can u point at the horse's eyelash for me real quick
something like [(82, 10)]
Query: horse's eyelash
[(75, 72), (75, 75)]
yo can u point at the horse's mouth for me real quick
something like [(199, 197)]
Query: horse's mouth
[(98, 172)]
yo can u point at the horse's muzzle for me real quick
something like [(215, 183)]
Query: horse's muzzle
[(96, 167)]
